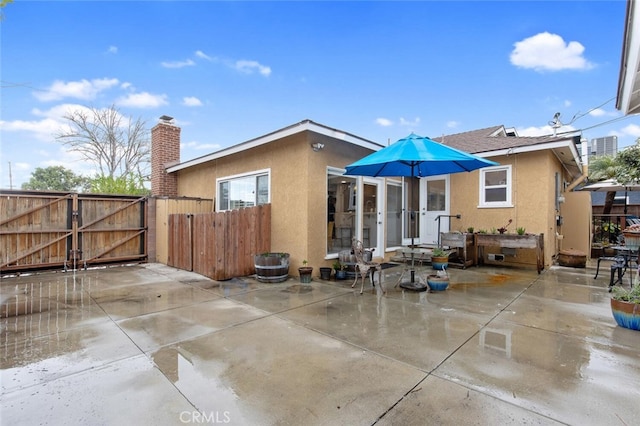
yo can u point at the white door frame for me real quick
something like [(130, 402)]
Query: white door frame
[(378, 242), (428, 219)]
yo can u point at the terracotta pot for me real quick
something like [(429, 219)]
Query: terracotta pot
[(439, 263), (626, 314)]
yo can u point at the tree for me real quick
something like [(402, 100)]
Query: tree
[(3, 3), (602, 168), (54, 178), (628, 160), (118, 146), (130, 184)]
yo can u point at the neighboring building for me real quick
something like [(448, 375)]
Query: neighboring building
[(607, 145), (299, 170)]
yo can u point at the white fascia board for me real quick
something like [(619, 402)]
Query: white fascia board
[(303, 126), (533, 148), (629, 84)]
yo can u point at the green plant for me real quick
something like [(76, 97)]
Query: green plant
[(494, 231), (627, 295), (470, 229), (482, 231), (337, 266), (304, 262), (438, 252), (521, 230)]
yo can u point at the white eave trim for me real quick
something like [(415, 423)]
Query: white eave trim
[(303, 126), (532, 148), (629, 80)]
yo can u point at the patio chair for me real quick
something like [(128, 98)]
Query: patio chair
[(365, 266)]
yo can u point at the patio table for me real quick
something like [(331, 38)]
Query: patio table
[(410, 254)]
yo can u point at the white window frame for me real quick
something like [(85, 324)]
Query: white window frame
[(256, 174), (483, 187)]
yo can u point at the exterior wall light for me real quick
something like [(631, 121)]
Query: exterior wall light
[(317, 146)]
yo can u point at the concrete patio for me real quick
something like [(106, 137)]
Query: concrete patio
[(149, 344)]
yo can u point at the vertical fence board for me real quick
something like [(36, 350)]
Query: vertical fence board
[(223, 244)]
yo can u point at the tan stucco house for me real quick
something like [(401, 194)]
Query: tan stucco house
[(299, 171)]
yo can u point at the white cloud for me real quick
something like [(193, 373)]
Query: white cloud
[(200, 54), (191, 101), (40, 129), (248, 67), (178, 64), (143, 100), (200, 146), (542, 131), (453, 124), (415, 122), (83, 89), (384, 122), (598, 112), (549, 52), (632, 130), (112, 49), (567, 103)]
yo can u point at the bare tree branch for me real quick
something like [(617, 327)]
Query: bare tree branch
[(118, 146)]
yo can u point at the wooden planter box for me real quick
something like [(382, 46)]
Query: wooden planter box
[(529, 241), (464, 242)]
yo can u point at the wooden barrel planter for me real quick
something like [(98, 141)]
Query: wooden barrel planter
[(272, 267), (572, 258)]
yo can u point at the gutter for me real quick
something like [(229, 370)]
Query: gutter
[(585, 167)]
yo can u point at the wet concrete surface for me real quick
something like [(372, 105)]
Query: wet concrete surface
[(149, 344)]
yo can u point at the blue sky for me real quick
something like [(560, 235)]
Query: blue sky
[(233, 71)]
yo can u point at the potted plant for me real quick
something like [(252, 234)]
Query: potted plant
[(305, 272), (325, 273), (521, 230), (339, 271), (625, 306), (438, 281), (439, 259)]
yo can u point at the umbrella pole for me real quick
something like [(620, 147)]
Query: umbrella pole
[(412, 285)]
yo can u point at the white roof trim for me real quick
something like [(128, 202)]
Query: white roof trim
[(303, 126), (530, 148), (629, 80)]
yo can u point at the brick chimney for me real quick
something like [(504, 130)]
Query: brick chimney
[(165, 152)]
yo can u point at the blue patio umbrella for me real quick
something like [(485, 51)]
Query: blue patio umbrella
[(416, 156)]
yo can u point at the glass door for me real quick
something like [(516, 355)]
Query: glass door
[(434, 207), (371, 206)]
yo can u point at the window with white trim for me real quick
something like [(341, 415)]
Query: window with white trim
[(245, 190), (495, 186)]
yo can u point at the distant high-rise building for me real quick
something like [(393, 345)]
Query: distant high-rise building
[(607, 145)]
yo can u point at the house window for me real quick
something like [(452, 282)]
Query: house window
[(240, 191), (495, 187)]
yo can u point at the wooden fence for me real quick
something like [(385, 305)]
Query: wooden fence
[(219, 245), (48, 230)]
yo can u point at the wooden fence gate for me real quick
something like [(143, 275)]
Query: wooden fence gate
[(47, 230), (219, 245)]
